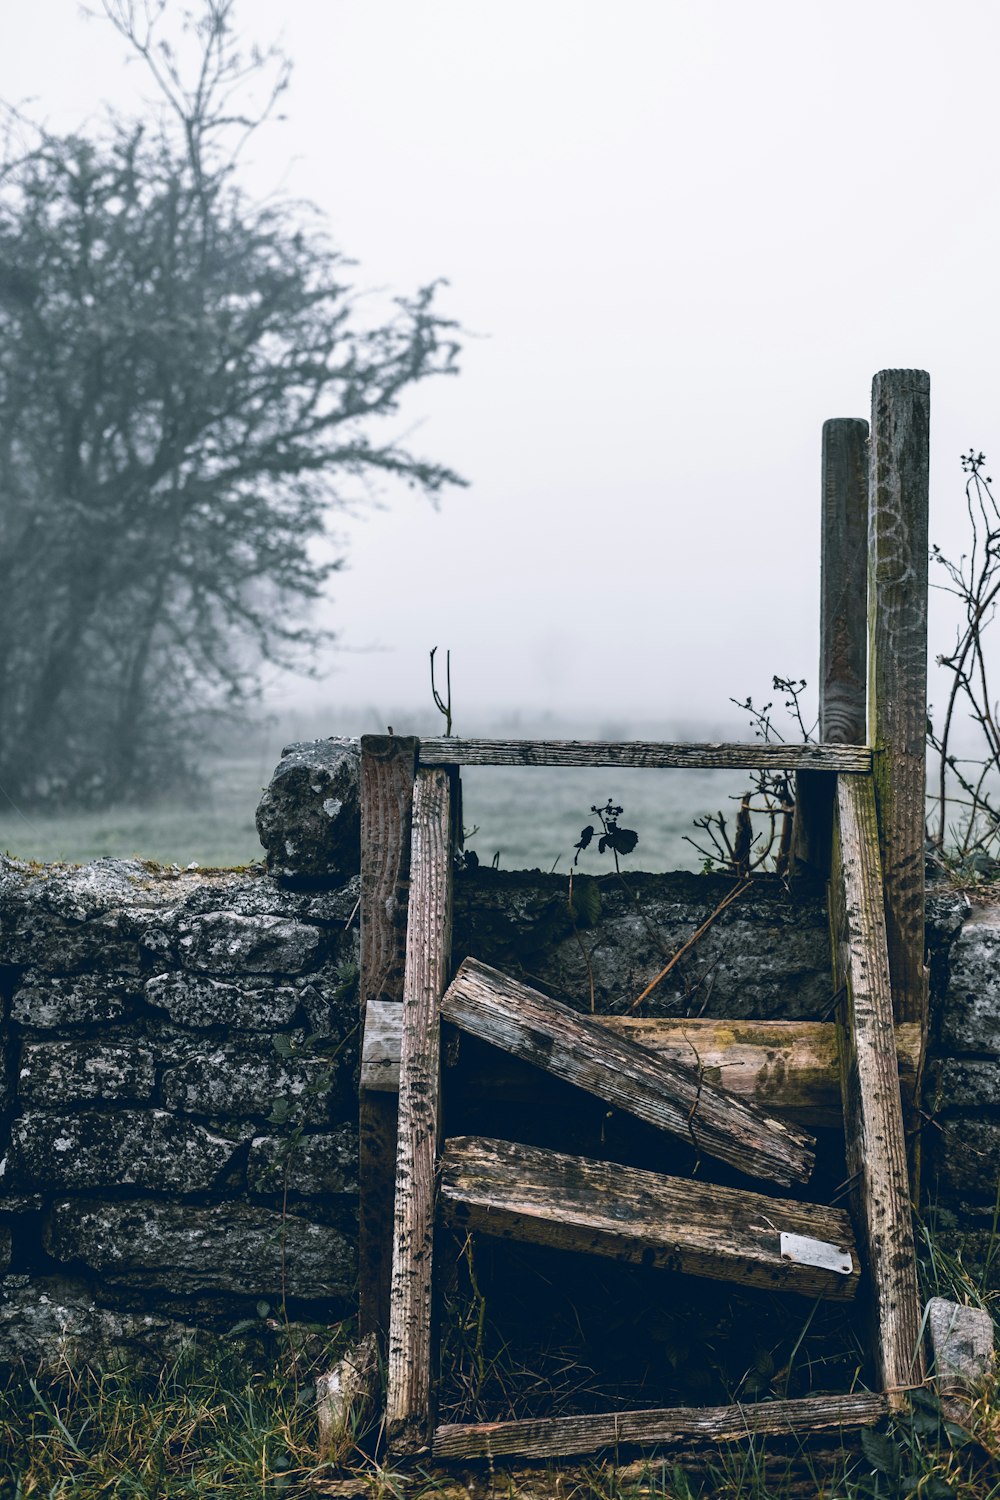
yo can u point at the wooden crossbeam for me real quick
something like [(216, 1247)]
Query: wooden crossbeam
[(677, 1099), (873, 1116), (790, 1067), (451, 751), (556, 1437), (543, 1197)]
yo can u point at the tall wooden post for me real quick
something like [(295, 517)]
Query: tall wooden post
[(388, 767), (843, 651), (897, 671)]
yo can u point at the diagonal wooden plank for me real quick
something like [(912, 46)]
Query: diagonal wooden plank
[(428, 952), (553, 1437), (448, 750), (873, 1116), (542, 1197), (676, 1099)]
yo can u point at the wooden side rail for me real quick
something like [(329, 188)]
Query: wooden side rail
[(448, 750)]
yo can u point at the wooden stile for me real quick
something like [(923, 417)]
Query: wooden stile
[(873, 1117), (615, 1068), (451, 751), (897, 634), (428, 955), (789, 1067), (388, 766), (843, 655), (556, 1437), (541, 1197)]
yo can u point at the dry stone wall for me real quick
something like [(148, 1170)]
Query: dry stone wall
[(178, 1139)]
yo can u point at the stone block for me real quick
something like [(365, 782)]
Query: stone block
[(227, 1080), (185, 1249), (131, 1147), (56, 1073), (965, 1083), (316, 1165), (222, 943), (309, 818), (48, 1004), (196, 1001), (52, 1325), (966, 1161), (970, 1015), (961, 1343)]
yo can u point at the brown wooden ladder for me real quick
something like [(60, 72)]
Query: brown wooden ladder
[(857, 820)]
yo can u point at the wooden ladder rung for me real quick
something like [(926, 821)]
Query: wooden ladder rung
[(680, 1224), (448, 750), (791, 1067), (677, 1099)]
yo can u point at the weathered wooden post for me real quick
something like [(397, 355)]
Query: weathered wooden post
[(843, 630), (897, 671), (388, 767)]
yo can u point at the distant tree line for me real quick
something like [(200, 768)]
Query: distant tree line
[(187, 391)]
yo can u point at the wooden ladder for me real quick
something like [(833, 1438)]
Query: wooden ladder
[(857, 820)]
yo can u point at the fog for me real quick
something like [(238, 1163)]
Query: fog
[(679, 236)]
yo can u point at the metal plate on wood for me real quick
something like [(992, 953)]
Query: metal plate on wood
[(805, 1251)]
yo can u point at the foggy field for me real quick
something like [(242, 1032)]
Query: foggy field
[(533, 816)]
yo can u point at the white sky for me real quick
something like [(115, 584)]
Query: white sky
[(685, 232)]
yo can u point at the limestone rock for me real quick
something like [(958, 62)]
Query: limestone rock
[(197, 1001), (226, 1080), (970, 1017), (52, 1325), (962, 1344), (55, 1073), (222, 943), (131, 1147), (309, 818), (182, 1248), (46, 1003), (965, 1083), (965, 1155), (317, 1165)]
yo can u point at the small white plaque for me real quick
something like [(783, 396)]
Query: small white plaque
[(805, 1251)]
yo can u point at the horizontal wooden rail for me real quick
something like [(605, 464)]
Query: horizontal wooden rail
[(450, 751), (555, 1436), (792, 1067), (539, 1197)]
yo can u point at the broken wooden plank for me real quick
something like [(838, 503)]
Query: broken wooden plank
[(873, 1116), (791, 1067), (843, 631), (428, 952), (615, 1068), (897, 698), (448, 750), (388, 766), (556, 1437), (543, 1197)]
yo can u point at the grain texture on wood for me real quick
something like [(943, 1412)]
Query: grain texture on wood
[(897, 701), (387, 771), (450, 751), (615, 1068), (843, 630), (679, 1425), (542, 1197), (873, 1116), (428, 952), (791, 1067)]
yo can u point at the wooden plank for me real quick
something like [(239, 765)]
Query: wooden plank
[(450, 751), (897, 707), (428, 954), (843, 630), (873, 1117), (615, 1068), (554, 1437), (682, 1224), (388, 765), (791, 1067)]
